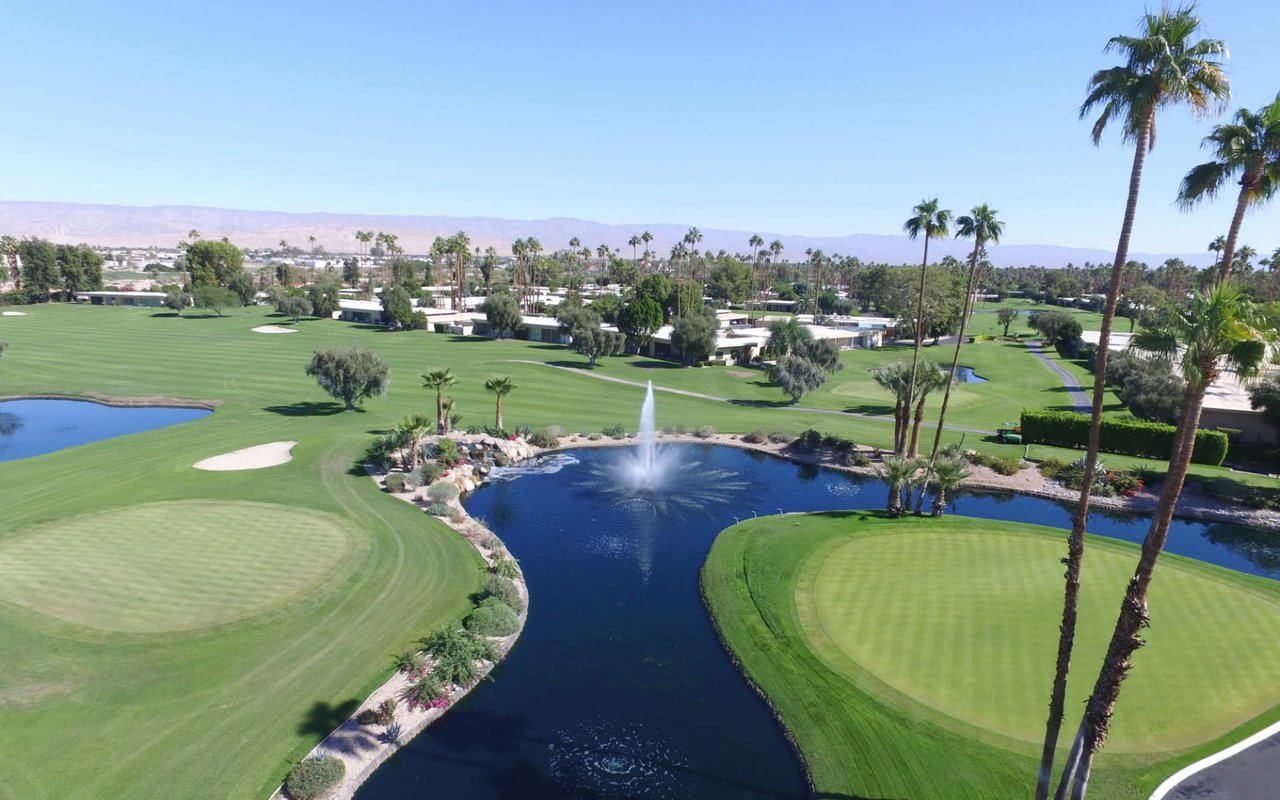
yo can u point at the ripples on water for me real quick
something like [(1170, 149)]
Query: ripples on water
[(605, 759)]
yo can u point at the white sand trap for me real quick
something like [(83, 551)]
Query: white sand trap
[(256, 457), (13, 313), (274, 329)]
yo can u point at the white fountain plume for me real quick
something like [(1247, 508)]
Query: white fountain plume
[(648, 455)]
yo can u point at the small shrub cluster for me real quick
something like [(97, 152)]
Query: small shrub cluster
[(506, 568), (857, 458), (439, 509), (383, 714), (446, 452), (756, 437), (425, 692), (1259, 498), (809, 440), (429, 471), (409, 662), (1001, 466), (778, 437), (505, 590), (395, 482), (491, 543), (443, 492), (1051, 468), (456, 651), (1127, 437), (1124, 482), (547, 437), (493, 617), (314, 777), (615, 431), (705, 432), (594, 437)]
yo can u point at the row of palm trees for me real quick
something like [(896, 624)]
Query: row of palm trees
[(440, 380)]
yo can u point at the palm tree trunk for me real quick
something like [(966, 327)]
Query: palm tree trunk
[(915, 355), (439, 412), (498, 420), (1133, 610), (955, 360), (1247, 184), (1075, 541), (939, 502), (915, 429)]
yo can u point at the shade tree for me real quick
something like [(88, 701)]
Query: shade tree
[(351, 376)]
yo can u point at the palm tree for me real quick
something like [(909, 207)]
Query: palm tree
[(412, 429), (646, 237), (634, 242), (895, 378), (193, 234), (1273, 266), (501, 387), (898, 473), (1219, 329), (932, 222), (948, 474), (1245, 152), (1245, 255), (439, 379), (929, 378), (1164, 65), (446, 408), (364, 237), (982, 226)]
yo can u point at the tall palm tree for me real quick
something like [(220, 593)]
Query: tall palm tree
[(931, 222), (646, 237), (1164, 65), (929, 378), (1219, 329), (1245, 152), (1273, 266), (634, 242), (1244, 257), (439, 379), (948, 474), (981, 225), (501, 387), (1216, 247), (896, 379), (193, 234), (756, 242)]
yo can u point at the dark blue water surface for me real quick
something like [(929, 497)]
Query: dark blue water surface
[(34, 427), (618, 687)]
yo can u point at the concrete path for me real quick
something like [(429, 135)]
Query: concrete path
[(1079, 397), (749, 403), (1249, 770)]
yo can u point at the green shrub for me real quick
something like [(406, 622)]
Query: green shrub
[(681, 430), (1051, 468), (446, 451), (367, 717), (1124, 481), (395, 482), (547, 437), (506, 568), (424, 690), (409, 662), (1128, 437), (594, 437), (430, 470), (443, 492), (439, 509), (809, 440), (505, 590), (491, 543), (492, 618), (314, 777), (705, 432), (456, 651), (778, 437), (756, 437), (857, 458), (1001, 466), (615, 431)]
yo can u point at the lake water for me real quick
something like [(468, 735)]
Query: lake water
[(618, 687), (35, 427), (967, 375)]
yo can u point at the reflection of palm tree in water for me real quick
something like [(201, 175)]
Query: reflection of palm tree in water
[(10, 424)]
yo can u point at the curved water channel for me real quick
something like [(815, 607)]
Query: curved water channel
[(618, 687)]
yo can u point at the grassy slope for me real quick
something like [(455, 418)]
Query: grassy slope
[(760, 580)]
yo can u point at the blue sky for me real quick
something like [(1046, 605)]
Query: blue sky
[(797, 117)]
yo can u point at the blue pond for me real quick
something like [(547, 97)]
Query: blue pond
[(35, 427), (967, 375), (618, 687)]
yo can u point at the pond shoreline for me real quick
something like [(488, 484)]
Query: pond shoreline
[(145, 401)]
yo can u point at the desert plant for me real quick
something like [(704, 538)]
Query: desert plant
[(426, 689), (505, 590), (778, 437), (615, 431), (395, 482), (506, 568), (442, 492), (439, 509), (705, 432), (546, 438), (314, 777), (392, 734), (409, 662), (446, 452), (429, 471), (756, 437)]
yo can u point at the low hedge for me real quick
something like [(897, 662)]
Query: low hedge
[(314, 778), (1126, 437)]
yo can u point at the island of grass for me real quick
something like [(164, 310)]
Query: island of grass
[(913, 657)]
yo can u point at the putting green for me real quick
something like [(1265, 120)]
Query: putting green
[(171, 566), (963, 635)]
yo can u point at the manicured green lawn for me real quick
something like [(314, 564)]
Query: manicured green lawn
[(155, 692), (929, 645), (985, 323)]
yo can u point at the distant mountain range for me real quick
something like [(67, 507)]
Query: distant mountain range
[(164, 225)]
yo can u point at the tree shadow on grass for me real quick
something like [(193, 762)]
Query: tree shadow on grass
[(657, 364), (872, 409), (582, 365), (322, 718), (309, 408), (761, 403)]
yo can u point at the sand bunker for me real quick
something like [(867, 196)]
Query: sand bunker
[(13, 313), (274, 329), (256, 457)]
